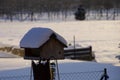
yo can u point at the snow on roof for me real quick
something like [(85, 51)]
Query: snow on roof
[(36, 37)]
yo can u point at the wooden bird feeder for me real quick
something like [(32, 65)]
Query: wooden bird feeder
[(43, 43)]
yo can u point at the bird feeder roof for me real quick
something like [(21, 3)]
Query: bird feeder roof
[(36, 37)]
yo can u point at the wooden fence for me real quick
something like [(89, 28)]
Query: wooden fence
[(85, 53)]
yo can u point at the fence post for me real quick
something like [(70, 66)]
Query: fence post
[(105, 74)]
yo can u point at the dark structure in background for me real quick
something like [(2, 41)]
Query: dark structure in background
[(80, 13)]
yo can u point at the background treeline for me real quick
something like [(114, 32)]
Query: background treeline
[(97, 4), (55, 5), (10, 8), (37, 5)]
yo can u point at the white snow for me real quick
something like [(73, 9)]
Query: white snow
[(103, 36), (13, 64), (7, 55), (36, 37)]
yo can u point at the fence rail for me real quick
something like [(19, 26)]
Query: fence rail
[(96, 75), (20, 77), (91, 75)]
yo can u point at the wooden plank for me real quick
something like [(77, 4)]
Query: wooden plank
[(78, 49), (77, 53)]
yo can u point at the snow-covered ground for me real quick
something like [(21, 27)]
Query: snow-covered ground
[(103, 36), (7, 55)]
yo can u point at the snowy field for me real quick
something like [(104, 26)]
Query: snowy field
[(103, 36)]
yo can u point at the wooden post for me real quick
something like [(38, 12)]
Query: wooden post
[(74, 48), (31, 71), (91, 49), (105, 74), (57, 70), (41, 71)]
